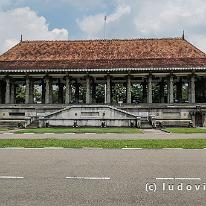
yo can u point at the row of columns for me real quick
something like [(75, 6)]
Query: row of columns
[(148, 90), (10, 92), (47, 90)]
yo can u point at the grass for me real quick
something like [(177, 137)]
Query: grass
[(4, 129), (150, 144), (186, 130), (80, 130)]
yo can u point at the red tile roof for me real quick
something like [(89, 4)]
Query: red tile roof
[(134, 53)]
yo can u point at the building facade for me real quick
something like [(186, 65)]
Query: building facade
[(163, 83)]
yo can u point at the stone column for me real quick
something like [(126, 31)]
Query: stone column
[(43, 92), (192, 89), (27, 91), (88, 90), (77, 92), (48, 91), (162, 93), (170, 87), (108, 90), (149, 89), (144, 91), (12, 98), (179, 90), (8, 90), (68, 91), (31, 91), (94, 92), (51, 91), (129, 93), (29, 95), (60, 92)]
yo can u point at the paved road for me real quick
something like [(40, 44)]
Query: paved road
[(44, 173)]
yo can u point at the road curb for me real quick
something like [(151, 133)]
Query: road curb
[(92, 148)]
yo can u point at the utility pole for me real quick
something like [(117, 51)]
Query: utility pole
[(105, 22), (183, 35)]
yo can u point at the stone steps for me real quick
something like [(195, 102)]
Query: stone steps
[(145, 124), (34, 124)]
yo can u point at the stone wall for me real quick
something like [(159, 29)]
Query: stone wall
[(172, 115)]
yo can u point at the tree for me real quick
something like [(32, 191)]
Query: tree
[(21, 94)]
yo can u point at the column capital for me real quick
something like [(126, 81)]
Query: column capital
[(128, 76), (108, 76), (27, 75), (28, 79), (192, 75), (68, 77), (171, 75), (88, 77), (47, 77), (149, 75), (7, 77)]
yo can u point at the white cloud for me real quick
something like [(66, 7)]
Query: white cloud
[(149, 18), (126, 19), (93, 25), (120, 11), (170, 17), (25, 21)]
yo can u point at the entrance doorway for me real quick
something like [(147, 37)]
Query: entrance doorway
[(198, 119)]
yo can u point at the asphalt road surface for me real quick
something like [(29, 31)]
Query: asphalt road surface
[(102, 177)]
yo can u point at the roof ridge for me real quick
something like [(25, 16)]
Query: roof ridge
[(114, 39)]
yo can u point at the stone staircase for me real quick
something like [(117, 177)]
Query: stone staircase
[(34, 124), (89, 116), (145, 123)]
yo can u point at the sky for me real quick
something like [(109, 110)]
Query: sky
[(84, 19)]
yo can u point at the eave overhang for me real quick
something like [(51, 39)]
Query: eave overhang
[(86, 70)]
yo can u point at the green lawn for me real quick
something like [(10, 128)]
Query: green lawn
[(186, 130), (150, 144), (80, 130), (3, 129)]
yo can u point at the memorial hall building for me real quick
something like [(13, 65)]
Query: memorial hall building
[(103, 83)]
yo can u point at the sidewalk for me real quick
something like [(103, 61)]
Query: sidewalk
[(148, 134)]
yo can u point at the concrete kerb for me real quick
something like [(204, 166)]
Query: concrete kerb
[(93, 148)]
